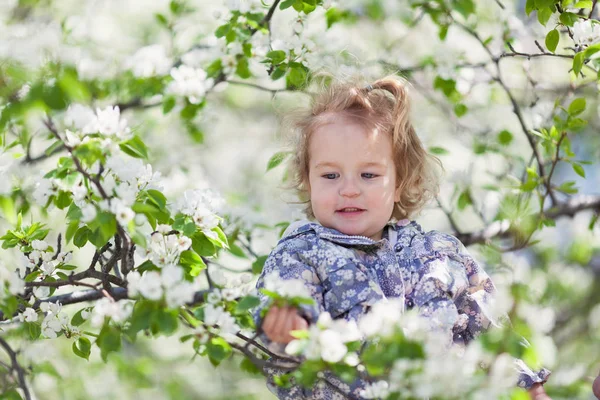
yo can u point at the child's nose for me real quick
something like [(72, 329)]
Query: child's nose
[(349, 188)]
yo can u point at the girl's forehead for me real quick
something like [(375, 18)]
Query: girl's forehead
[(349, 143)]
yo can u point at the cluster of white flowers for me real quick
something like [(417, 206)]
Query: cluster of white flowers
[(169, 283), (200, 205), (245, 6), (123, 179), (327, 341), (383, 319), (42, 254), (44, 188), (165, 249), (376, 390), (29, 315), (218, 317), (189, 82), (84, 121), (238, 289), (285, 287), (586, 32), (55, 321), (118, 311), (149, 61), (301, 46)]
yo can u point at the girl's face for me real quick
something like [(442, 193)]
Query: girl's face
[(352, 178)]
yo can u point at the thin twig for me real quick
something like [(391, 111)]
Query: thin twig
[(15, 366)]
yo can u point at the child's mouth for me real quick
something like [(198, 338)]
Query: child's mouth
[(350, 211)]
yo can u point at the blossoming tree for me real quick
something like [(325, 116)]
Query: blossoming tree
[(99, 249)]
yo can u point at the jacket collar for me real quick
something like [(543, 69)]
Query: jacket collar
[(395, 231)]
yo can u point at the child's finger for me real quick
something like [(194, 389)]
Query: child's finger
[(269, 323), (300, 324), (279, 326), (289, 324)]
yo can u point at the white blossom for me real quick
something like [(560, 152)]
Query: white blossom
[(180, 294), (586, 32), (376, 390), (39, 245), (189, 82), (286, 287), (88, 212), (149, 61), (29, 315), (80, 117), (218, 316), (109, 123), (118, 311)]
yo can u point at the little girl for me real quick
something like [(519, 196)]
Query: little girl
[(360, 167)]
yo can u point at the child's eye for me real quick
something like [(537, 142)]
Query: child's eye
[(368, 175), (330, 176)]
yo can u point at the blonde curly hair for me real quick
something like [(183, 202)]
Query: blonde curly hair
[(383, 106)]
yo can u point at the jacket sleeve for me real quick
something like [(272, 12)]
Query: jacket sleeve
[(457, 295), (286, 273)]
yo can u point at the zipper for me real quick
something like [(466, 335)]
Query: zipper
[(346, 237)]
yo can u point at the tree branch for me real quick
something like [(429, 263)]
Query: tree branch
[(501, 229), (15, 366)]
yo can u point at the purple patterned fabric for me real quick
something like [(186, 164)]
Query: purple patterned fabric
[(345, 275)]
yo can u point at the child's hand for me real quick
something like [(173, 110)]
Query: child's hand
[(537, 392), (279, 321)]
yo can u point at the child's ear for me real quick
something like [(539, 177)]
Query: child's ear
[(397, 195)]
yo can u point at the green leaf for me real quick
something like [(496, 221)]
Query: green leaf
[(579, 170), (162, 20), (168, 104), (246, 303), (63, 200), (257, 266), (66, 267), (552, 40), (218, 350), (568, 18), (193, 262), (286, 4), (82, 347), (279, 72), (135, 147), (81, 236), (584, 4), (578, 62), (222, 30), (77, 319), (529, 7), (505, 137), (71, 229), (54, 147), (297, 77), (202, 245), (464, 200), (157, 198), (12, 394), (276, 159), (109, 340), (243, 68), (276, 56), (465, 7), (438, 150), (460, 110), (577, 106), (34, 329), (568, 187), (544, 15)]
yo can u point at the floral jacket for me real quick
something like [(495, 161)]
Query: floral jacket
[(347, 274)]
